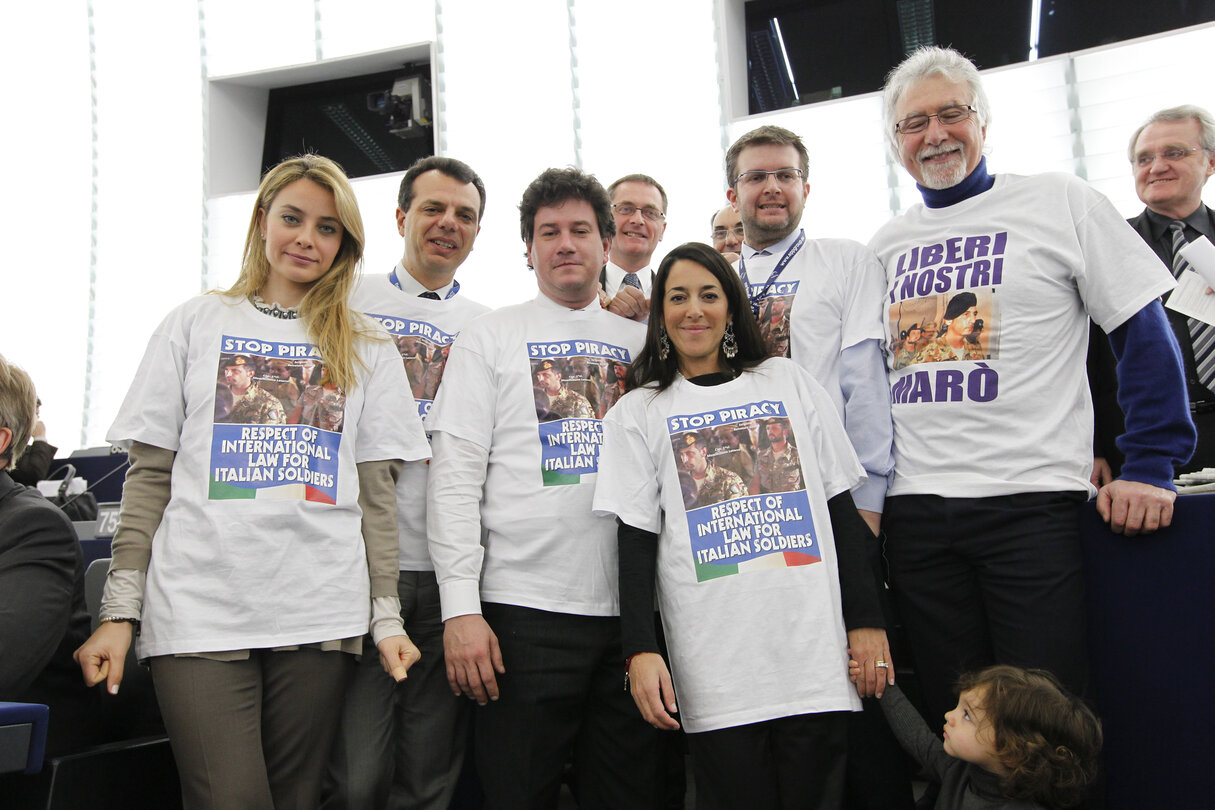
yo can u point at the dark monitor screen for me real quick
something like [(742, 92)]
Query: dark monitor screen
[(358, 122), (803, 51)]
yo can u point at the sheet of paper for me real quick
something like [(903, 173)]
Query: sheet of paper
[(1201, 255), (1190, 298)]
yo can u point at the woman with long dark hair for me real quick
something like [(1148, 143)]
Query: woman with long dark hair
[(763, 584), (249, 536)]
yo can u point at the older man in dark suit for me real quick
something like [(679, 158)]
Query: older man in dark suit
[(1172, 155), (42, 612)]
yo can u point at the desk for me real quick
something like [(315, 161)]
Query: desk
[(1151, 613)]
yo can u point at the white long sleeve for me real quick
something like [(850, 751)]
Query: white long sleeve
[(453, 521)]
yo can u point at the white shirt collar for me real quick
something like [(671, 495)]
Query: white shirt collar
[(412, 287), (772, 250), (615, 277)]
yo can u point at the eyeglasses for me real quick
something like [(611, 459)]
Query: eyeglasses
[(1172, 155), (946, 117), (722, 233), (757, 177), (649, 212)]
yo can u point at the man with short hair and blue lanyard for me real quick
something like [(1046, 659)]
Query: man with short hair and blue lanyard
[(832, 291), (402, 745), (822, 301)]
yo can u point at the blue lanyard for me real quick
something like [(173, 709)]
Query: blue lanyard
[(396, 282), (756, 298)]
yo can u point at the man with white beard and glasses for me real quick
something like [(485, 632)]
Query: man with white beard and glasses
[(993, 455)]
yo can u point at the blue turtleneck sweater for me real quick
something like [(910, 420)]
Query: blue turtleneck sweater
[(976, 182)]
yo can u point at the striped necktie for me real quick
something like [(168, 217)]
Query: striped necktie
[(631, 280), (1202, 334)]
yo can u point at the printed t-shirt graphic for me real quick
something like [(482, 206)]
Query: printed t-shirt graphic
[(259, 448), (424, 349), (774, 311), (737, 526), (947, 293), (574, 383)]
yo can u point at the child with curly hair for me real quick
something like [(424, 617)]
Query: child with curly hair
[(1016, 740)]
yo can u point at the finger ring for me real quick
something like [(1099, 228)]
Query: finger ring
[(881, 665)]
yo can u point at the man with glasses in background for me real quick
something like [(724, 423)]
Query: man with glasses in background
[(823, 299), (1171, 157), (992, 456), (727, 233), (639, 205)]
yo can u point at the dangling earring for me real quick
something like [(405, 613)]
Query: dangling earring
[(729, 344), (664, 345)]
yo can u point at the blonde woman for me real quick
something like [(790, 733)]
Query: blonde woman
[(248, 540)]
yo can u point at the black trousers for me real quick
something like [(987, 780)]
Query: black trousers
[(563, 690), (877, 776), (401, 745), (979, 581), (790, 763)]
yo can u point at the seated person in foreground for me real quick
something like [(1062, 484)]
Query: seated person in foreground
[(42, 613), (34, 464)]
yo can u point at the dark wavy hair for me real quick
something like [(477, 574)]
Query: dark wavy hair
[(556, 186), (1046, 739), (648, 368)]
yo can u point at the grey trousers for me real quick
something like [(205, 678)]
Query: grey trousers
[(252, 734), (401, 746)]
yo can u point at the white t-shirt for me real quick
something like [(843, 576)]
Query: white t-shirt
[(543, 547), (1040, 254), (748, 586), (260, 544), (841, 286), (423, 330)]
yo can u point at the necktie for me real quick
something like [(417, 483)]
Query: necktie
[(1202, 335), (631, 280), (433, 296)]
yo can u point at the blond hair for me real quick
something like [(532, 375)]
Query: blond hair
[(331, 324)]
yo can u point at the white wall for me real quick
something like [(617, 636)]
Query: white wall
[(112, 222)]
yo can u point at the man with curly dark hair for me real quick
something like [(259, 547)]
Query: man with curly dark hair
[(526, 573)]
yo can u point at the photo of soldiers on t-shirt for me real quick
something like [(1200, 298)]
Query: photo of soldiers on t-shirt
[(780, 467), (424, 363), (585, 376), (713, 484), (277, 378), (553, 399), (774, 324), (732, 447), (612, 381), (254, 389), (239, 396), (943, 328)]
